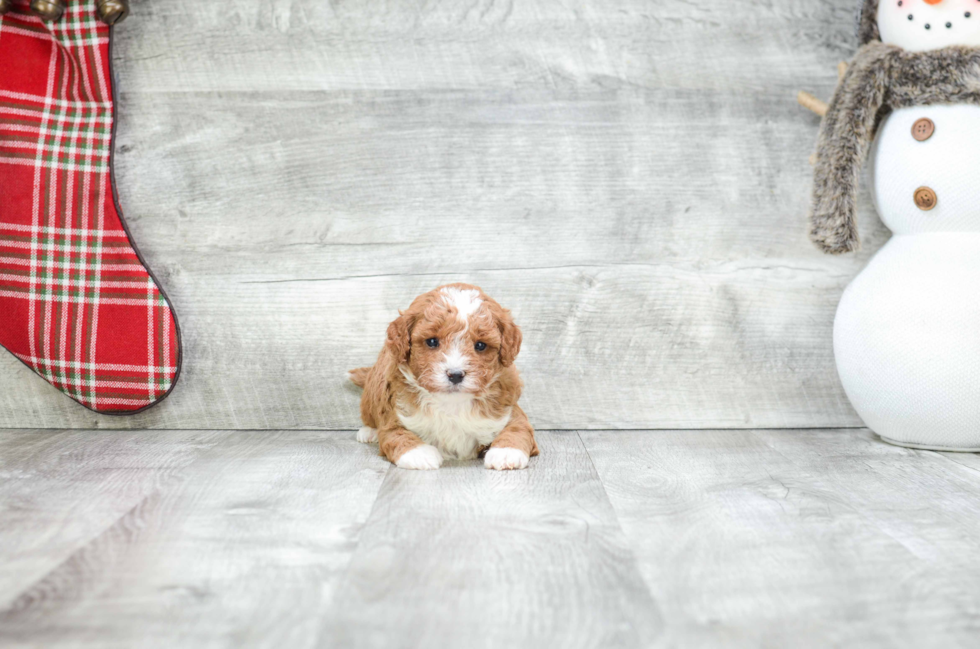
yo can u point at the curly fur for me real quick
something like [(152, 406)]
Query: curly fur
[(880, 79), (407, 402)]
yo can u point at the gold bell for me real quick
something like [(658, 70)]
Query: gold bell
[(6, 5), (112, 12), (48, 9)]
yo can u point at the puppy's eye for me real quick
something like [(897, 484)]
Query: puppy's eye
[(480, 346), (432, 342)]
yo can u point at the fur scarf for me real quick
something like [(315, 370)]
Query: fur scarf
[(880, 79)]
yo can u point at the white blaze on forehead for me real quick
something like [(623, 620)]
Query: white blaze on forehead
[(455, 360), (466, 301)]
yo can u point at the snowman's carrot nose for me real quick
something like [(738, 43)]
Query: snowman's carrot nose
[(933, 2)]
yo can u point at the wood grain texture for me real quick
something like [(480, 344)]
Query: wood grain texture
[(630, 178), (465, 557), (60, 490), (739, 538), (240, 547), (790, 538)]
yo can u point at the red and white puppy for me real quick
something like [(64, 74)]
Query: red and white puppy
[(445, 385)]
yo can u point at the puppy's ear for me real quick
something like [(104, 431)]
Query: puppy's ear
[(510, 336), (400, 337)]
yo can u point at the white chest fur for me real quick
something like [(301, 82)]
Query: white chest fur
[(451, 423)]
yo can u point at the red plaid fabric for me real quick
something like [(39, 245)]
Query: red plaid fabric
[(77, 303)]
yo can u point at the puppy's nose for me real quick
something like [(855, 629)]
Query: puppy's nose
[(456, 377)]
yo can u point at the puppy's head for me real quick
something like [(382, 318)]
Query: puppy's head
[(455, 339)]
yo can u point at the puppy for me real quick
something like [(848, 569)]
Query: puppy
[(445, 385)]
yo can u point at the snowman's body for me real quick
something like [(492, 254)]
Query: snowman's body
[(907, 331)]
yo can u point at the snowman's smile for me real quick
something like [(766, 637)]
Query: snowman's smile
[(928, 25), (920, 25)]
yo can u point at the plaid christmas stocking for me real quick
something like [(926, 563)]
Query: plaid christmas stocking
[(77, 303)]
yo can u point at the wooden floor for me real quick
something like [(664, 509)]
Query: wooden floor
[(611, 539)]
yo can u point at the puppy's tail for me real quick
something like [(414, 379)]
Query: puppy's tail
[(359, 376)]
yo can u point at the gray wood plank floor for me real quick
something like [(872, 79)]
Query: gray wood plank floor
[(629, 177), (638, 539)]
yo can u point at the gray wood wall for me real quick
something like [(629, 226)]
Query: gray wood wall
[(630, 177)]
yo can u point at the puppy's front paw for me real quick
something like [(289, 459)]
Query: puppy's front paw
[(501, 459), (367, 435), (421, 458)]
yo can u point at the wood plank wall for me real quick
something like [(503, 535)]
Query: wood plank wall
[(629, 177)]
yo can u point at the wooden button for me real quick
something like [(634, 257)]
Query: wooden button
[(923, 129), (925, 199)]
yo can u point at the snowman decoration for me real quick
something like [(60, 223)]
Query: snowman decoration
[(907, 331)]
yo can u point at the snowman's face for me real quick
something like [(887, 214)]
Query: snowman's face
[(920, 25)]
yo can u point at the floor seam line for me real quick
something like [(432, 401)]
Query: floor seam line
[(619, 525)]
